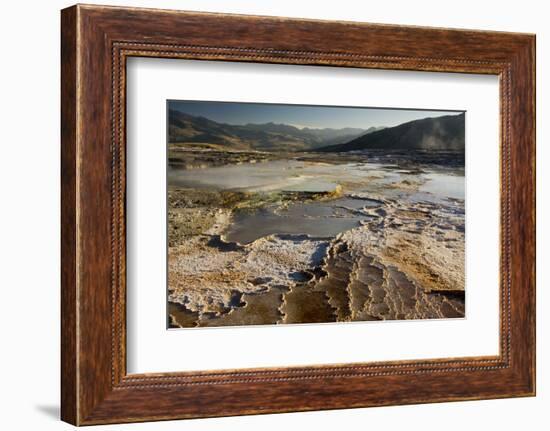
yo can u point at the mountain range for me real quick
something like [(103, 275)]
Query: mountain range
[(439, 133), (188, 129)]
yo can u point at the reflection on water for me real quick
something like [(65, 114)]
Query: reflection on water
[(317, 218), (443, 185), (275, 175)]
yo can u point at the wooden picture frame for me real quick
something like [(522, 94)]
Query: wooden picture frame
[(95, 43)]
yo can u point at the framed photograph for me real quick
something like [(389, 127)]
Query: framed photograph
[(264, 214)]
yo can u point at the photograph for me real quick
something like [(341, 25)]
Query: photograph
[(294, 214), (306, 214)]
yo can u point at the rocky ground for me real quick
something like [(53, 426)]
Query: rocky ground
[(404, 261)]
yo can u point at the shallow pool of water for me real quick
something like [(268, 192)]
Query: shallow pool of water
[(446, 185), (275, 175), (316, 219)]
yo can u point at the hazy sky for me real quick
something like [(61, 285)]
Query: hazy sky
[(301, 115)]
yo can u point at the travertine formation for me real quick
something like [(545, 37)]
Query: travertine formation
[(403, 260)]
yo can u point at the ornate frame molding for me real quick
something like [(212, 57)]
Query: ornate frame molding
[(96, 41)]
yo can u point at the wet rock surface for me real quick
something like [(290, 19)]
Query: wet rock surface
[(400, 255)]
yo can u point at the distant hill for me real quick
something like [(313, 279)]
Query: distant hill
[(188, 129), (440, 133)]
